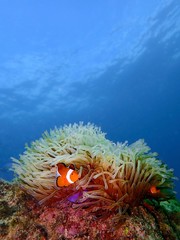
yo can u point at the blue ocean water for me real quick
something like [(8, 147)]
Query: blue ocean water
[(110, 62)]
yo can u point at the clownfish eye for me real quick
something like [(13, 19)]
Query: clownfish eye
[(71, 166)]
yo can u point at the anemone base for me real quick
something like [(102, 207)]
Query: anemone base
[(22, 218)]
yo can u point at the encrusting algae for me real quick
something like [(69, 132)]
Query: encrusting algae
[(115, 177)]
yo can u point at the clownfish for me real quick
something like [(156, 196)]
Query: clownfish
[(154, 190), (65, 175)]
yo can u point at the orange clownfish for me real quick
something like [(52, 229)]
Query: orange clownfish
[(154, 190), (65, 176)]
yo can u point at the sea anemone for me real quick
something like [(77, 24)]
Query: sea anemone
[(113, 176)]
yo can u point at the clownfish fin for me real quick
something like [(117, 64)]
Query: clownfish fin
[(60, 182), (61, 166)]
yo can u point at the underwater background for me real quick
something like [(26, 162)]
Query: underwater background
[(113, 63)]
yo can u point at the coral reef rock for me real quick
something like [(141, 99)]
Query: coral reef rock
[(21, 217)]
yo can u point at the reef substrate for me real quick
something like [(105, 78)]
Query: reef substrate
[(21, 217)]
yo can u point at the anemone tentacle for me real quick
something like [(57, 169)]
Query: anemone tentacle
[(116, 176)]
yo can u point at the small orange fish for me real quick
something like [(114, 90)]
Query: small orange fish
[(154, 190), (65, 176)]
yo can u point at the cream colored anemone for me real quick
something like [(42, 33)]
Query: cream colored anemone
[(115, 176)]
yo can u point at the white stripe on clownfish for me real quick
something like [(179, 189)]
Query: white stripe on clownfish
[(68, 176)]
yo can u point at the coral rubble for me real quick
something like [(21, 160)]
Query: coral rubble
[(21, 217)]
